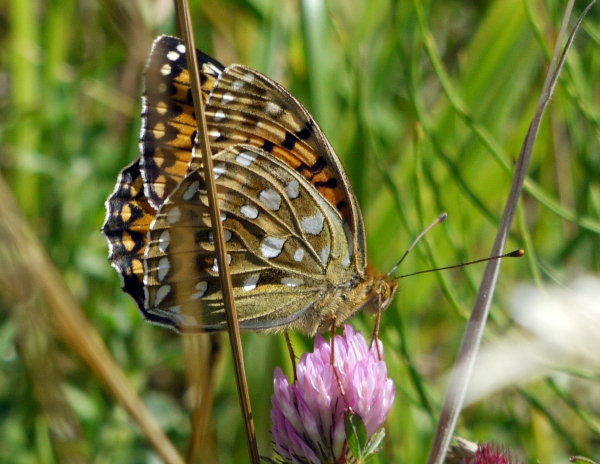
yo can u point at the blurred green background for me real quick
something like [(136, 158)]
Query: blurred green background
[(427, 104)]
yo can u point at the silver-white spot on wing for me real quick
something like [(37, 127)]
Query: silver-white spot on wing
[(219, 169), (271, 246), (249, 211), (271, 199), (325, 253), (174, 215), (164, 241), (161, 293), (215, 267), (227, 234), (292, 281), (166, 69), (163, 268), (348, 257), (273, 109), (246, 158), (227, 98), (293, 189), (183, 320), (219, 115), (250, 282), (313, 224), (299, 255), (191, 190), (173, 55), (201, 288)]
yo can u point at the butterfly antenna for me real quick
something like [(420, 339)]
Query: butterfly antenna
[(441, 218), (512, 254)]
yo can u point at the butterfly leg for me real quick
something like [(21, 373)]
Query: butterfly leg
[(335, 371), (375, 338), (290, 348)]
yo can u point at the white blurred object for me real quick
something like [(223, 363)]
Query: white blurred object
[(564, 323), (567, 318)]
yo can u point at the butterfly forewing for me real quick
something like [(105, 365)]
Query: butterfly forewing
[(168, 119)]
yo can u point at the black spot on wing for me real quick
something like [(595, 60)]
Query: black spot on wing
[(306, 132), (268, 146), (290, 141), (319, 165), (329, 183), (176, 110)]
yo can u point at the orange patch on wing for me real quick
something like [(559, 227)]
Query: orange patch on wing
[(305, 154), (174, 161), (287, 157), (136, 187), (186, 117), (137, 267), (125, 213), (128, 242), (322, 176)]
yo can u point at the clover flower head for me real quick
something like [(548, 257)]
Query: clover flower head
[(491, 454), (468, 452), (308, 416)]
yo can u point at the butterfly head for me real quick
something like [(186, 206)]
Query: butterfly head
[(372, 292), (382, 293)]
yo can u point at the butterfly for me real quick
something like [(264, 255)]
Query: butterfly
[(293, 228)]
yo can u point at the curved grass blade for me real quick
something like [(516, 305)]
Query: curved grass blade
[(463, 367)]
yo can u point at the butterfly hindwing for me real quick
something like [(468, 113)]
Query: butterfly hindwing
[(128, 219), (283, 240), (246, 106)]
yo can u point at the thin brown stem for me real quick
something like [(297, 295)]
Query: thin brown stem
[(335, 371), (376, 329), (290, 348), (217, 229)]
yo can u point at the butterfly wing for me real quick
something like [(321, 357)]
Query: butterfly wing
[(242, 107), (128, 219), (267, 148), (282, 237), (168, 119)]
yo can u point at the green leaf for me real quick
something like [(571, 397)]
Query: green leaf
[(374, 443), (356, 434), (362, 448), (582, 460)]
